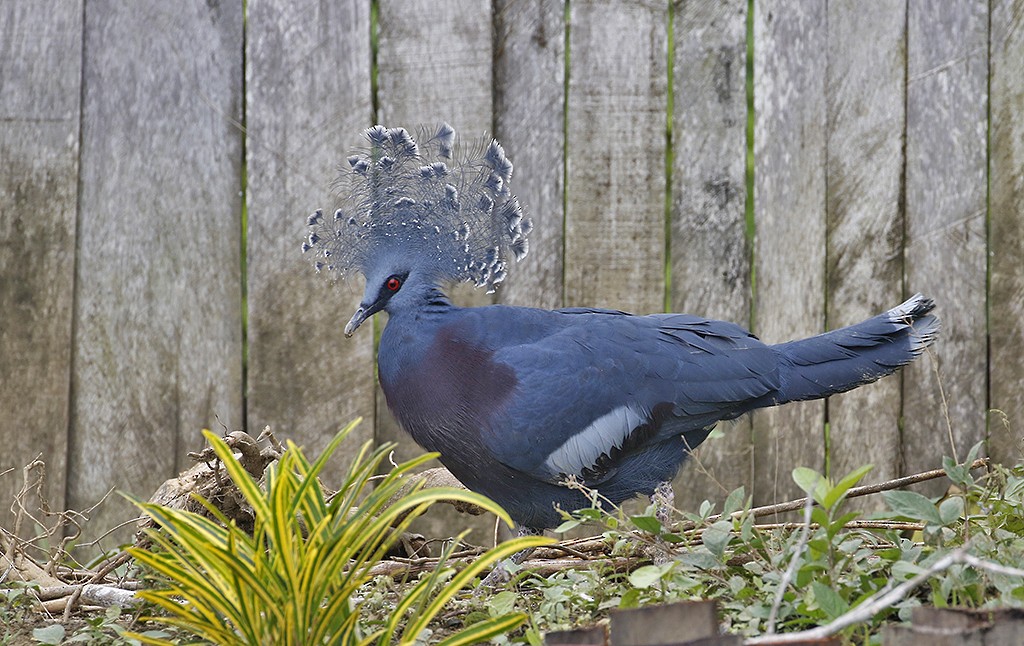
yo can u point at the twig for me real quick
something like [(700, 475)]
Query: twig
[(885, 598), (872, 605), (895, 525), (111, 564), (982, 564), (787, 576), (897, 483)]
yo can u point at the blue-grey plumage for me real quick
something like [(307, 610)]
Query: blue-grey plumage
[(517, 400)]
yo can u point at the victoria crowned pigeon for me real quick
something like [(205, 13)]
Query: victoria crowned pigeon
[(517, 400)]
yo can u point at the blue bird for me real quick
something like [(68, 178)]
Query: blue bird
[(517, 400)]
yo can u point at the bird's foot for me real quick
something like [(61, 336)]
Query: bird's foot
[(664, 501), (498, 577)]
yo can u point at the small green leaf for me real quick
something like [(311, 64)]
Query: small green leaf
[(838, 524), (572, 523), (903, 570), (631, 599), (820, 516), (828, 600), (912, 505), (951, 509), (648, 575), (734, 502), (838, 492), (648, 524), (705, 509), (503, 603), (807, 479), (52, 634), (716, 537)]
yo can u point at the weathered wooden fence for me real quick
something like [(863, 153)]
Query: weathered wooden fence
[(159, 159)]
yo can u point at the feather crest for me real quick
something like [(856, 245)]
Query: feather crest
[(448, 206)]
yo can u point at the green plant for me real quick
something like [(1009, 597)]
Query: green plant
[(294, 580), (799, 575)]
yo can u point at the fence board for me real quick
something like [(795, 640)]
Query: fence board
[(615, 213), (946, 204), (157, 353), (789, 215), (865, 106), (1006, 236), (529, 102), (710, 252), (40, 77), (308, 100), (435, 63)]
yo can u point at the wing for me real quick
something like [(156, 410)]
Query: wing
[(592, 386)]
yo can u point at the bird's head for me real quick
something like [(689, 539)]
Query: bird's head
[(415, 214), (392, 286)]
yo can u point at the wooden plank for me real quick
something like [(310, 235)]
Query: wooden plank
[(435, 64), (158, 346), (40, 88), (615, 213), (1006, 232), (789, 213), (710, 252), (947, 98), (672, 623), (308, 101), (865, 104), (424, 78), (529, 101)]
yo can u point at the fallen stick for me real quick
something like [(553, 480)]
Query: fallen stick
[(865, 490)]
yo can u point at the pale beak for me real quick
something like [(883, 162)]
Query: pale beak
[(356, 320)]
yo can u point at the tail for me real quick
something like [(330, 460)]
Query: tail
[(852, 356)]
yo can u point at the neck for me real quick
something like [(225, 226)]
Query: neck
[(422, 299), (435, 300)]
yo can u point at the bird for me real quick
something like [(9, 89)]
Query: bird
[(521, 402)]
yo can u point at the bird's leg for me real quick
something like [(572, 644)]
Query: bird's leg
[(500, 575), (664, 501)]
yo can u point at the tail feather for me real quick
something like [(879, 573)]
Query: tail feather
[(852, 356)]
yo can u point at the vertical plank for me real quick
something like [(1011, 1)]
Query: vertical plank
[(710, 251), (158, 352), (615, 213), (529, 102), (789, 213), (40, 88), (307, 103), (947, 99), (1006, 234), (424, 78), (435, 64), (865, 104)]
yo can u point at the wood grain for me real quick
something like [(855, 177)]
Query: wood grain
[(1006, 232), (529, 112), (710, 252), (307, 103), (40, 77), (615, 214), (789, 213), (435, 64), (865, 104), (158, 345), (944, 393)]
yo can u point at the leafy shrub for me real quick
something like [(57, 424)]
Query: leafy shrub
[(294, 579)]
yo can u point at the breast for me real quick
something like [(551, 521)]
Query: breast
[(444, 390)]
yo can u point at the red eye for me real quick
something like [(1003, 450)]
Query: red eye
[(393, 284)]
